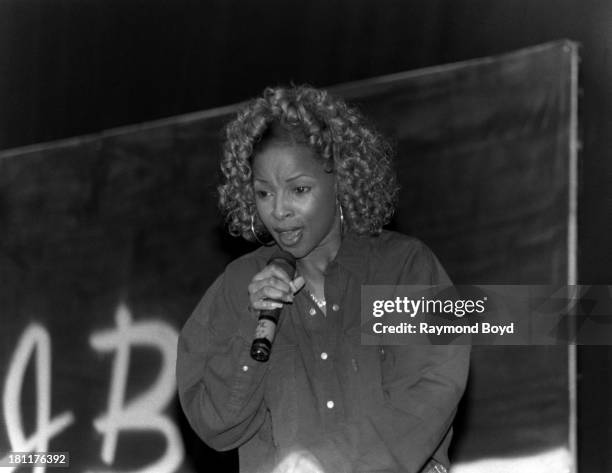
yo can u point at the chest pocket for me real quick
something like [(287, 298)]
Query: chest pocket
[(281, 394)]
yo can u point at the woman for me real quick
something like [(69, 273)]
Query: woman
[(304, 173)]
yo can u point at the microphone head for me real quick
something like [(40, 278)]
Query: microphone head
[(285, 260)]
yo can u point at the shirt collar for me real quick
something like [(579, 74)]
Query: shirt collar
[(353, 254)]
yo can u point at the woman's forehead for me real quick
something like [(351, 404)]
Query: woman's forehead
[(286, 160)]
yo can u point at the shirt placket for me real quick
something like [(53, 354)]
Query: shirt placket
[(325, 329)]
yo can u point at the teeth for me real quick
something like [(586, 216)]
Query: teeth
[(290, 236)]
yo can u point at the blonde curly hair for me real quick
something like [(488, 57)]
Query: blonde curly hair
[(347, 145)]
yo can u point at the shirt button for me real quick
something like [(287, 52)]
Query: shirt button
[(330, 404), (335, 307), (324, 356), (245, 368), (312, 311)]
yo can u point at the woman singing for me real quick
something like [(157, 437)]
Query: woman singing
[(304, 173)]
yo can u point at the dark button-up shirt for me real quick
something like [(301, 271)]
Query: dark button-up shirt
[(357, 408)]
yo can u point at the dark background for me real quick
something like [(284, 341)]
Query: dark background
[(70, 67)]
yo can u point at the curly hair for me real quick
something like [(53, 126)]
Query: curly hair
[(348, 146)]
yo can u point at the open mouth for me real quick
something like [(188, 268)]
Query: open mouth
[(290, 237)]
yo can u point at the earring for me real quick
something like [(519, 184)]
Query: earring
[(341, 220), (269, 241)]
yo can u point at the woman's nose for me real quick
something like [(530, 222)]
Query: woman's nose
[(282, 208)]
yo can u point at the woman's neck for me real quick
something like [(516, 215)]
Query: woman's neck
[(313, 266)]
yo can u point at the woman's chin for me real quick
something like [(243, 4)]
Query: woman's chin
[(298, 251)]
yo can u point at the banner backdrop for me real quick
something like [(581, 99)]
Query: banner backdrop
[(107, 242)]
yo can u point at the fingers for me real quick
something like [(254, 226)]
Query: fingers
[(272, 271), (271, 287), (297, 284)]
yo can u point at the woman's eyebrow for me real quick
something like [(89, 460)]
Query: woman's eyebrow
[(297, 176), (289, 179)]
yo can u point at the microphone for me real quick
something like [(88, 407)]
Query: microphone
[(268, 319)]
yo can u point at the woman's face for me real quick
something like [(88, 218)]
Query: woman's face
[(296, 199)]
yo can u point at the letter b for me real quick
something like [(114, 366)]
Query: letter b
[(144, 412)]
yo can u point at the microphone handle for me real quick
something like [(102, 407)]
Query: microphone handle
[(264, 335), (268, 319)]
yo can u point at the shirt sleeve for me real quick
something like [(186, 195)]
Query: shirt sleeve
[(421, 385), (220, 386)]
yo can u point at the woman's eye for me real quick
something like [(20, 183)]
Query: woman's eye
[(302, 189), (261, 194)]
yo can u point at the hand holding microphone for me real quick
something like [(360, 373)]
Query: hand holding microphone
[(269, 290)]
